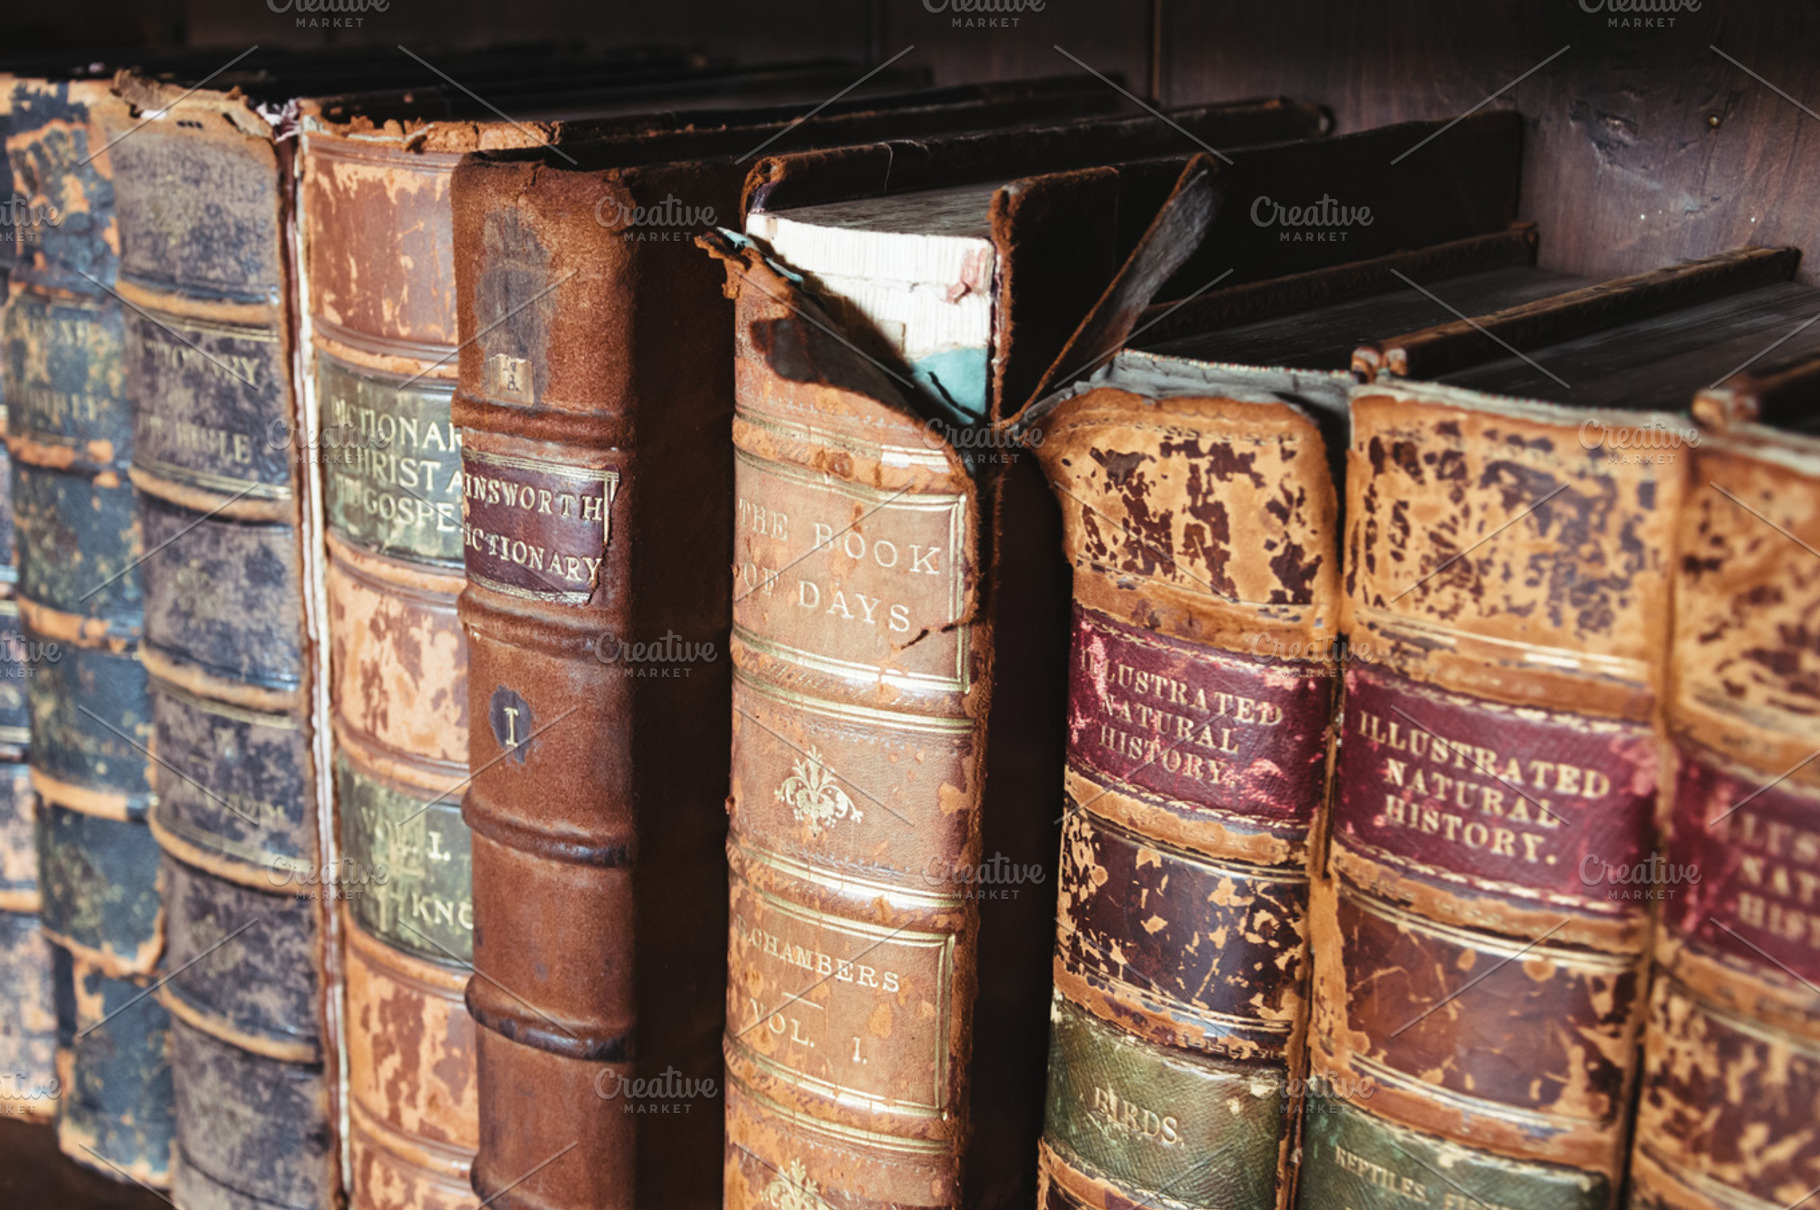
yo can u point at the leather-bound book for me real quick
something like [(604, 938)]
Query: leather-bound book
[(1480, 959), (375, 205), (1731, 1068), (1196, 475), (69, 433), (899, 648), (598, 381), (28, 1020)]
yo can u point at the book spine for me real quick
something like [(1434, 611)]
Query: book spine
[(380, 252), (29, 1085), (859, 699), (69, 433), (28, 1029), (1199, 727), (225, 513), (597, 520), (1732, 1050), (1479, 984)]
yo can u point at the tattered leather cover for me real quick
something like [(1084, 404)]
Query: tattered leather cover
[(375, 212), (1731, 1069), (225, 497), (1475, 967), (28, 1022), (69, 432), (1203, 533)]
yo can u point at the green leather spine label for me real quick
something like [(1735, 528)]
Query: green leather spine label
[(391, 462), (1354, 1160), (408, 871), (1162, 1123)]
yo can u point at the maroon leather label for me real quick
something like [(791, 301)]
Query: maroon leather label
[(1745, 858), (535, 528), (1475, 791), (1194, 724)]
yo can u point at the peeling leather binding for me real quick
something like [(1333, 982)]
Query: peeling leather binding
[(28, 1022), (79, 599), (228, 516), (1732, 1047)]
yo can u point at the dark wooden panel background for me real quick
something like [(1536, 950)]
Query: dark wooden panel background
[(1646, 145)]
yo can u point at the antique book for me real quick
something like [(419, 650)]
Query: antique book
[(69, 434), (28, 1020), (227, 495), (1731, 1064), (374, 202), (894, 562), (585, 757), (1509, 546)]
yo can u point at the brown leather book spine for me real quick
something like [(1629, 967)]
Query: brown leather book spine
[(1507, 609), (593, 396), (228, 510), (377, 236), (1203, 536), (858, 740), (1731, 1067)]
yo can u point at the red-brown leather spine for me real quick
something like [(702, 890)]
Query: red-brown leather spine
[(593, 401), (1731, 1072), (1203, 532), (1507, 606)]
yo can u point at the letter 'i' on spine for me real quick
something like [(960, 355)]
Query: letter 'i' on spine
[(595, 457), (203, 204), (1732, 1048), (1476, 1004), (382, 329), (80, 610), (28, 1021), (1196, 764)]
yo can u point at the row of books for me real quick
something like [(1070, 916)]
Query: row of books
[(971, 650)]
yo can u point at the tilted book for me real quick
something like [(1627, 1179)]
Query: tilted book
[(28, 1012), (899, 650), (1196, 478), (374, 182), (1731, 1067), (69, 431), (1480, 974)]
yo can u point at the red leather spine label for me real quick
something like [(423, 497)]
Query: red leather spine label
[(1195, 724), (1744, 868), (536, 528), (1457, 787)]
